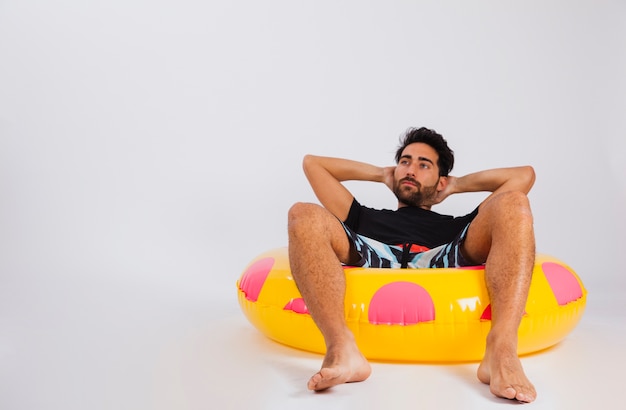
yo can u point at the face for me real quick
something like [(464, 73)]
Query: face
[(416, 178)]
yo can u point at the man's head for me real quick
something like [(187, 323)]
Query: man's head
[(424, 161), (435, 140)]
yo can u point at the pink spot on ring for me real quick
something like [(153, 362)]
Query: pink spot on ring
[(254, 277), (562, 282), (486, 313), (297, 305), (401, 303)]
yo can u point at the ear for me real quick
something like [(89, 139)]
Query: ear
[(442, 184)]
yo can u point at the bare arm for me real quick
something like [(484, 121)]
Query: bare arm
[(491, 180), (325, 175)]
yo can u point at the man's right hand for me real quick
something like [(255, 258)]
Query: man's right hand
[(388, 173)]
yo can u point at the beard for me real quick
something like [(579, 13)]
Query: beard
[(414, 195)]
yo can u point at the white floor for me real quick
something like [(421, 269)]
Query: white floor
[(71, 343)]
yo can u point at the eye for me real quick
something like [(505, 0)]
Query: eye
[(404, 161), (424, 165)]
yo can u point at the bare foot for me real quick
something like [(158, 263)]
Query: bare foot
[(502, 370), (340, 365)]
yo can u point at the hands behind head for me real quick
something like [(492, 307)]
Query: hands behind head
[(449, 188), (388, 176)]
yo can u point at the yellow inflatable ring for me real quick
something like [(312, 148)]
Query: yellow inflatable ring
[(417, 315)]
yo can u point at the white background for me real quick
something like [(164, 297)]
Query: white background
[(149, 150)]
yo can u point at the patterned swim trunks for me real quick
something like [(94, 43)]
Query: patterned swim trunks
[(375, 254)]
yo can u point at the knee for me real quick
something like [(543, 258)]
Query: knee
[(512, 198), (511, 204), (508, 204), (516, 199), (300, 210), (302, 214)]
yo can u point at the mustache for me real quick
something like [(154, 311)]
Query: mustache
[(411, 180)]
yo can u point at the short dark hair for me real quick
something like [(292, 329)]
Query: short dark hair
[(435, 140)]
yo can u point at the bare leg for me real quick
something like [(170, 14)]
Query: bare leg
[(317, 246), (502, 236)]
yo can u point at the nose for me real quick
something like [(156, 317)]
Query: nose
[(410, 171)]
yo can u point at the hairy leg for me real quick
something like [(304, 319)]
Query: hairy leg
[(502, 236), (317, 246)]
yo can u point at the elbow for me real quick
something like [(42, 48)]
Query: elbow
[(528, 177), (307, 161), (310, 163)]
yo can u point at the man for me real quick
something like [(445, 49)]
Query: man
[(499, 233)]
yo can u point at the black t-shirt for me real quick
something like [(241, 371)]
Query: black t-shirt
[(409, 224)]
